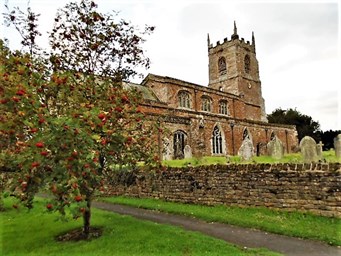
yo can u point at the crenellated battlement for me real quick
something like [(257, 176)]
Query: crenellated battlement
[(234, 38)]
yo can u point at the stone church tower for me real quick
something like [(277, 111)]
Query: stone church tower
[(233, 68)]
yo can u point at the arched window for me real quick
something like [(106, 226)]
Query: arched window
[(206, 104), (223, 107), (179, 139), (217, 141), (184, 99), (222, 65), (247, 63), (246, 134)]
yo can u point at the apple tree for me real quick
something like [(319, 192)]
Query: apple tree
[(66, 118)]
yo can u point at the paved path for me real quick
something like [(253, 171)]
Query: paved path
[(240, 236)]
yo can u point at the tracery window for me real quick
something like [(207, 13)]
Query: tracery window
[(247, 63), (184, 99), (217, 141), (222, 65), (223, 107), (206, 104)]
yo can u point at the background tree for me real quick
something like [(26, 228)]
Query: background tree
[(66, 118), (327, 138), (305, 125)]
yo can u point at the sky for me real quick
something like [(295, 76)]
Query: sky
[(298, 44)]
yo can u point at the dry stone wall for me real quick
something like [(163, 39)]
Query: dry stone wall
[(314, 188)]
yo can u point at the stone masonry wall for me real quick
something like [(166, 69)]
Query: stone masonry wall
[(314, 188)]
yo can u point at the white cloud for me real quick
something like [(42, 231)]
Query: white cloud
[(297, 45)]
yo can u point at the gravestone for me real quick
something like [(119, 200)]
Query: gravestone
[(167, 150), (246, 149), (319, 150), (188, 151), (337, 146), (308, 150), (275, 148)]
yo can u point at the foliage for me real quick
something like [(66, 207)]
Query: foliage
[(305, 125), (32, 233), (280, 222), (327, 138), (65, 116)]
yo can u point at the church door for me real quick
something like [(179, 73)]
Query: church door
[(179, 144)]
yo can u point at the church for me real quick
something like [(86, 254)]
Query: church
[(225, 118)]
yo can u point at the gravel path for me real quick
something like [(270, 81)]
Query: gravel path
[(240, 236)]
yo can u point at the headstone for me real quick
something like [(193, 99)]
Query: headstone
[(337, 146), (167, 150), (262, 149), (308, 150), (319, 150), (188, 151), (246, 149), (275, 148)]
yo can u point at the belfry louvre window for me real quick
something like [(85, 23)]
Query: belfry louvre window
[(206, 104), (217, 141), (223, 107), (184, 99), (222, 65), (247, 63)]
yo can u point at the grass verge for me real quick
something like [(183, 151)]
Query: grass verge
[(328, 156), (293, 224), (32, 233)]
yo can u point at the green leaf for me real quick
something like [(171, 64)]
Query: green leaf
[(96, 137)]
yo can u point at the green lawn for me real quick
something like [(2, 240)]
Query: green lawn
[(328, 156), (280, 222), (32, 233)]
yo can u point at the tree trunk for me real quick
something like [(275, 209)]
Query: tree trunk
[(86, 217)]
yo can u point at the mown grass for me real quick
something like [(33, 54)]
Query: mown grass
[(281, 222), (33, 232), (328, 156)]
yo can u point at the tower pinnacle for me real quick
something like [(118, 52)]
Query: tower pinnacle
[(208, 40), (253, 42), (235, 34)]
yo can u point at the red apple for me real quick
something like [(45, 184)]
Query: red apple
[(44, 153), (20, 92), (101, 116), (49, 206), (40, 144), (78, 198), (35, 164), (15, 99), (118, 109), (3, 101), (34, 130)]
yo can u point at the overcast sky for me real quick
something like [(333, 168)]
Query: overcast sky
[(297, 44)]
